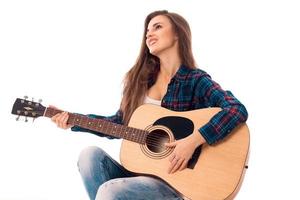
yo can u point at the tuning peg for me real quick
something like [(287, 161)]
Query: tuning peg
[(37, 104), (17, 119), (25, 97), (30, 102)]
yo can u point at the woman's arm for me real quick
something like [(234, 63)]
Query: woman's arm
[(232, 114), (61, 119)]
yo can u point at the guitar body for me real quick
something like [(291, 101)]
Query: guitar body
[(215, 172)]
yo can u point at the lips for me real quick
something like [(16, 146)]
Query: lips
[(152, 41)]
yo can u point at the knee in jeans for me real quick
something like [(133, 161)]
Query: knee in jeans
[(113, 189), (89, 155)]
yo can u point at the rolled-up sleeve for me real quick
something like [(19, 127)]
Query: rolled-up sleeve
[(232, 114)]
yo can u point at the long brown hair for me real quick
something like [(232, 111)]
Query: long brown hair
[(144, 72)]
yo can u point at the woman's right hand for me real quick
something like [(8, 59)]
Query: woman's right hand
[(61, 119)]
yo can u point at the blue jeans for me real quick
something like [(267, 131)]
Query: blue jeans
[(104, 178)]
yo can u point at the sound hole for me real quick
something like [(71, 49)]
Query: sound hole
[(156, 140)]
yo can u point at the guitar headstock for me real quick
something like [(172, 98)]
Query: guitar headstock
[(23, 107)]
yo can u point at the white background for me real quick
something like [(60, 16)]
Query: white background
[(74, 54)]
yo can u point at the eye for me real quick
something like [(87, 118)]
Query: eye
[(157, 27)]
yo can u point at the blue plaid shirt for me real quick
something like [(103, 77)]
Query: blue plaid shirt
[(192, 89)]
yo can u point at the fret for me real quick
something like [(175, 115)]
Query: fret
[(77, 120), (71, 119), (118, 130), (50, 112), (91, 124), (82, 122), (134, 134), (108, 127), (111, 129), (99, 126), (94, 124), (140, 135), (86, 121), (74, 120), (122, 130), (114, 130), (126, 133), (102, 126), (143, 137), (130, 134)]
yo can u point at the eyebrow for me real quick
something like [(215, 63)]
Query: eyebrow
[(154, 25)]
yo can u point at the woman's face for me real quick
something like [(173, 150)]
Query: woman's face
[(160, 35)]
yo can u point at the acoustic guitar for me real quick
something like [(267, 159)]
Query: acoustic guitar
[(213, 173)]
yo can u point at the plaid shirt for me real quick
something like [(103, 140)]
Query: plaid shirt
[(192, 89)]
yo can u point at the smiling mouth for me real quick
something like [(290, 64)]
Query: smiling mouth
[(152, 42)]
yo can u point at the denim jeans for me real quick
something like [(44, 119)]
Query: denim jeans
[(105, 179)]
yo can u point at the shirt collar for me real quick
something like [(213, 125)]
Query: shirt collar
[(182, 73)]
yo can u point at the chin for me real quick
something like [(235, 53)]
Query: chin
[(154, 52)]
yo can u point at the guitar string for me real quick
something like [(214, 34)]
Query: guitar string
[(154, 140)]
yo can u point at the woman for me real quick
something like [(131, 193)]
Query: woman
[(165, 74)]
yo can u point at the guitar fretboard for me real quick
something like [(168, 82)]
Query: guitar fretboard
[(103, 126)]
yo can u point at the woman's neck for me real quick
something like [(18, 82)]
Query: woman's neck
[(169, 66)]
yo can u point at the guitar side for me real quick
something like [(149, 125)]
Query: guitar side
[(219, 170)]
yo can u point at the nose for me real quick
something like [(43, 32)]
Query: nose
[(149, 34)]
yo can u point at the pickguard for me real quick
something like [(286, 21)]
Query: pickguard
[(181, 127)]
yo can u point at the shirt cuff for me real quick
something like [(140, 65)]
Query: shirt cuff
[(209, 133)]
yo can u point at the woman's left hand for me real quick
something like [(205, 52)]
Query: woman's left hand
[(183, 151)]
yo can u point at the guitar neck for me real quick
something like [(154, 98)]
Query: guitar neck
[(103, 126)]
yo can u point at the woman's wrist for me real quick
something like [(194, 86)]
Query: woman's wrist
[(197, 139)]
